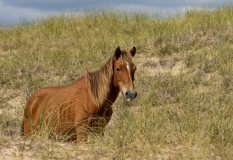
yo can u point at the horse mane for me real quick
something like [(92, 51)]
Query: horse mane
[(100, 81)]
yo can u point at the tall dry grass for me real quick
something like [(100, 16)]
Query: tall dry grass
[(184, 83)]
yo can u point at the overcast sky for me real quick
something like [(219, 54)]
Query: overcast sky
[(16, 11)]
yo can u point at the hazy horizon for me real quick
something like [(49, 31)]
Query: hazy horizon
[(13, 12)]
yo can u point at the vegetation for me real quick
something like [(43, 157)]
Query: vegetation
[(184, 82)]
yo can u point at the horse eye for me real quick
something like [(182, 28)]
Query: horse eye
[(118, 70)]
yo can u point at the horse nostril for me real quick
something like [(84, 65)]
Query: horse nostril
[(133, 95), (129, 95)]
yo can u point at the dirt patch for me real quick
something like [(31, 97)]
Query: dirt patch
[(173, 64)]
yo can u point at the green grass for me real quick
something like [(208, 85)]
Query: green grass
[(184, 82)]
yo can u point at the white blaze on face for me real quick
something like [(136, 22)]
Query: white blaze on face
[(128, 68), (127, 65), (129, 83)]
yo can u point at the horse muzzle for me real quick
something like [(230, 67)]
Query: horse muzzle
[(130, 94)]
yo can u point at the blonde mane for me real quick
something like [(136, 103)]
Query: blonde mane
[(100, 81)]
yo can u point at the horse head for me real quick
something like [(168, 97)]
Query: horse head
[(123, 72)]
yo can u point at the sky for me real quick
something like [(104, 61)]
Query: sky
[(13, 12)]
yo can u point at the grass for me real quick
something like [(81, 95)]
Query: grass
[(184, 83)]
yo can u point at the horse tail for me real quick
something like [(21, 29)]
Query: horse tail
[(22, 129)]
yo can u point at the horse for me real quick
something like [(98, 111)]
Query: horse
[(86, 103)]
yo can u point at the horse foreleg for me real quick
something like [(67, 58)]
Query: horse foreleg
[(81, 130), (108, 114), (81, 133), (99, 122)]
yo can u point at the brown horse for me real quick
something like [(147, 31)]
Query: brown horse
[(84, 104)]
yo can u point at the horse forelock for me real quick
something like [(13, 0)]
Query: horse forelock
[(125, 56)]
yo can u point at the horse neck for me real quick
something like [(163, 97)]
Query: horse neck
[(101, 86), (113, 94)]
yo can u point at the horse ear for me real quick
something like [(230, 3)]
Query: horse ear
[(133, 51), (117, 52)]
